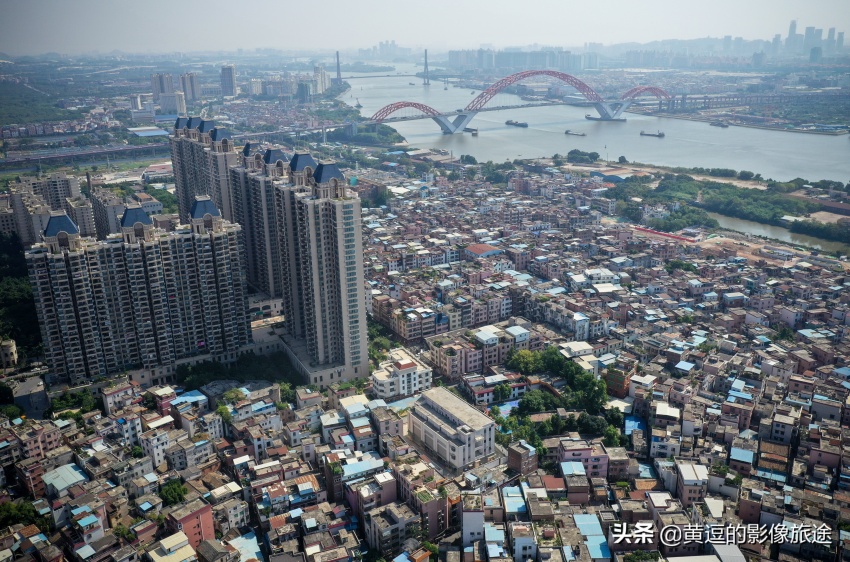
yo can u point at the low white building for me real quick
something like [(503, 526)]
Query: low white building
[(400, 375)]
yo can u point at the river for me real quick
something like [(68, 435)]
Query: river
[(778, 233), (774, 154)]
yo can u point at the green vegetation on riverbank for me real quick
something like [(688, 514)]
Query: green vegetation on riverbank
[(697, 196)]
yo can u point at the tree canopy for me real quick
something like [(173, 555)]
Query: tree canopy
[(173, 492)]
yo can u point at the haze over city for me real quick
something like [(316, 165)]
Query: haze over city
[(89, 26), (445, 281)]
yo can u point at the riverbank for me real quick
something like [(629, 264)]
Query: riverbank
[(712, 119)]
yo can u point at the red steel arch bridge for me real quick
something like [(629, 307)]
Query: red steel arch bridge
[(455, 121)]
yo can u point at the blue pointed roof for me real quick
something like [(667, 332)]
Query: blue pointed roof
[(180, 123), (193, 122), (326, 171), (301, 160), (203, 206), (246, 150), (219, 134), (60, 223), (132, 215), (272, 155), (206, 126)]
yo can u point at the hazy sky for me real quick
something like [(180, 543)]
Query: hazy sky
[(75, 26)]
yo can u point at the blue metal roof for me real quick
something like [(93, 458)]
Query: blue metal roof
[(219, 134), (273, 155), (741, 455), (301, 160), (326, 171), (60, 223), (203, 207), (573, 468), (132, 215)]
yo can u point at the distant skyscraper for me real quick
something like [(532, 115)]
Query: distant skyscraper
[(320, 76), (190, 85), (830, 39), (228, 80), (201, 154), (791, 45), (809, 39), (839, 40), (161, 84), (173, 103), (145, 299), (322, 272)]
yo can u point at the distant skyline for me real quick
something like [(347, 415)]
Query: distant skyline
[(31, 27)]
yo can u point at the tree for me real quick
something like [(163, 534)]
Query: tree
[(225, 414), (287, 393), (593, 425), (23, 512), (531, 403), (137, 452), (495, 412), (615, 417), (233, 396), (11, 411), (611, 437), (745, 175), (526, 362), (173, 493), (501, 392), (622, 160), (149, 401), (123, 532), (7, 396)]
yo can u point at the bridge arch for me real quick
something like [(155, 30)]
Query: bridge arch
[(490, 92), (638, 91), (388, 110)]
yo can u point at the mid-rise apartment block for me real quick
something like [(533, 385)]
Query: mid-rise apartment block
[(108, 209), (692, 482), (452, 429), (402, 374)]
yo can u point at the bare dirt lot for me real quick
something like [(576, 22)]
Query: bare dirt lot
[(825, 216)]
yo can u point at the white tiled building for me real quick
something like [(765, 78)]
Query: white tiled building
[(400, 375)]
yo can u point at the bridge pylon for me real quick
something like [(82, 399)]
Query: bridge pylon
[(610, 111), (457, 123)]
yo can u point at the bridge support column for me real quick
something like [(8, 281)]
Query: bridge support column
[(611, 111), (452, 126)]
